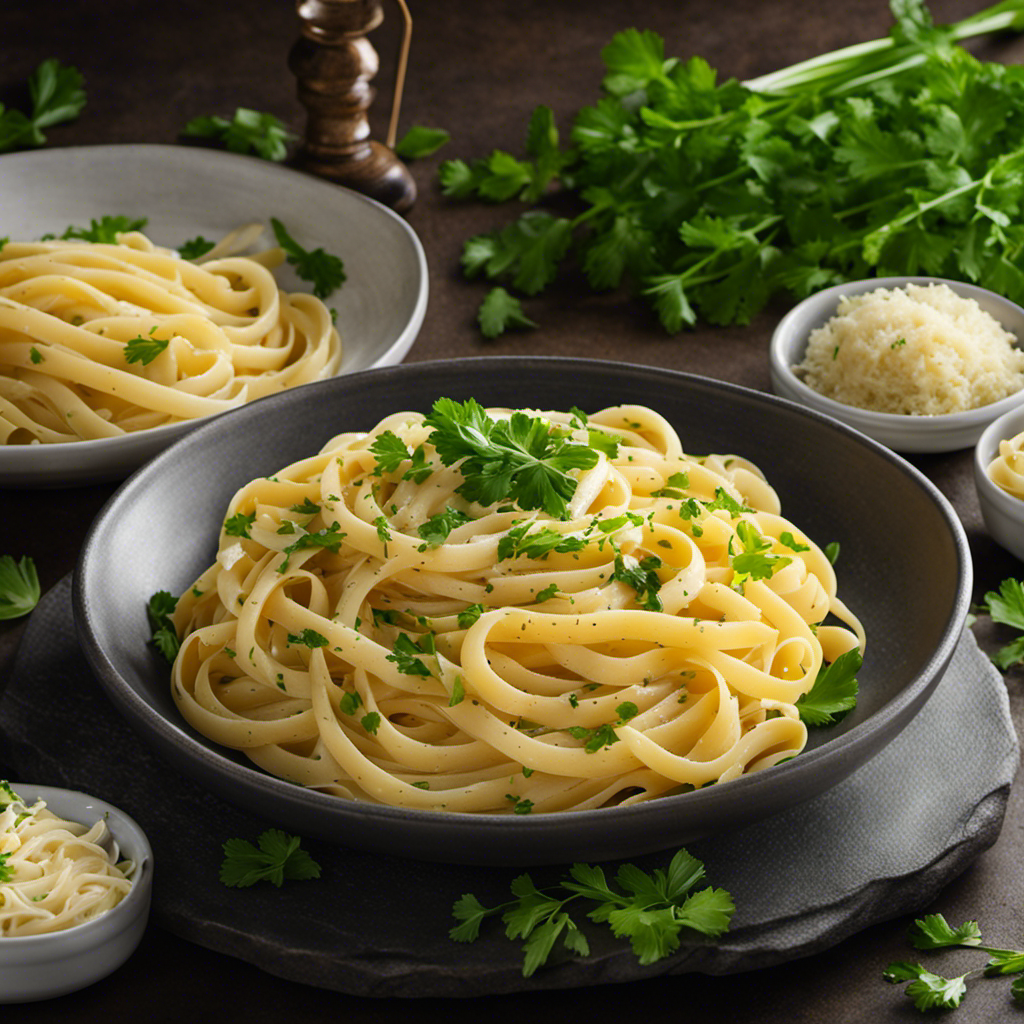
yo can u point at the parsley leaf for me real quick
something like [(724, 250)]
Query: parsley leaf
[(928, 991), (499, 311), (519, 458), (19, 586), (420, 141), (159, 611), (6, 870), (144, 350), (834, 692), (248, 131), (308, 638), (652, 911), (325, 271), (642, 576), (57, 96), (436, 529), (106, 229), (193, 248), (1006, 606), (405, 654), (238, 524), (279, 857)]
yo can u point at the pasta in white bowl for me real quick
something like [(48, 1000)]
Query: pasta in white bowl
[(426, 617)]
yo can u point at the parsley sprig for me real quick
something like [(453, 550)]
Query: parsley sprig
[(325, 271), (1006, 606), (165, 637), (19, 586), (57, 96), (931, 991), (653, 911), (278, 857), (247, 131), (520, 458), (834, 693)]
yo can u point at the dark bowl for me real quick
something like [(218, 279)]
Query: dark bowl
[(904, 568)]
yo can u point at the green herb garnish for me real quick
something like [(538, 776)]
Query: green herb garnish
[(279, 857)]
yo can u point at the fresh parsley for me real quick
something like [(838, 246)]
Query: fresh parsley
[(6, 871), (308, 638), (1006, 606), (19, 586), (435, 530), (520, 458), (57, 96), (106, 229), (325, 271), (420, 141), (499, 311), (708, 197), (238, 525), (164, 636), (277, 858), (642, 576), (931, 991), (834, 693), (653, 911), (144, 349), (406, 654), (248, 131), (193, 248)]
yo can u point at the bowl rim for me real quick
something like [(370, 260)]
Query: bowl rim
[(109, 920), (785, 340), (165, 735), (986, 450)]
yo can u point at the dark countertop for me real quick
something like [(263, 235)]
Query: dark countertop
[(478, 70)]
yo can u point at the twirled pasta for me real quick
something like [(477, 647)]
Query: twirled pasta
[(57, 873), (344, 643), (1006, 470), (69, 311)]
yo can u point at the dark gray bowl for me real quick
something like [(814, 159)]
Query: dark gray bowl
[(904, 568)]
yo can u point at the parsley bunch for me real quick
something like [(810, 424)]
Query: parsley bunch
[(900, 156), (652, 911), (931, 991), (57, 96)]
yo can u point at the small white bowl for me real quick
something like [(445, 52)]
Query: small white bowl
[(1002, 512), (34, 967), (899, 432)]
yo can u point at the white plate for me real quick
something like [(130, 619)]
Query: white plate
[(185, 192)]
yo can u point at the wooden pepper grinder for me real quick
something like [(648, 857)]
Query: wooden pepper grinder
[(334, 63)]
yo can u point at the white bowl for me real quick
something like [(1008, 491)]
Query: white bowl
[(36, 967), (183, 192), (899, 432), (1002, 512)]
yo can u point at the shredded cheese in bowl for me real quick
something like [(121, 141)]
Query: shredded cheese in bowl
[(920, 350)]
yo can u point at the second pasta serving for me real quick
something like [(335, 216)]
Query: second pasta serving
[(507, 612)]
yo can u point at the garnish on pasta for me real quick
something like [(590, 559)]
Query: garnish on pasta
[(511, 612), (104, 333)]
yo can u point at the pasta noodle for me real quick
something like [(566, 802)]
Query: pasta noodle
[(368, 631), (1006, 470), (57, 873), (100, 339)]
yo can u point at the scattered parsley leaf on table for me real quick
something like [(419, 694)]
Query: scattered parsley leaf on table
[(248, 131), (57, 96), (420, 141), (931, 991), (19, 586), (834, 692), (499, 311), (651, 910), (1006, 606), (325, 271), (278, 857)]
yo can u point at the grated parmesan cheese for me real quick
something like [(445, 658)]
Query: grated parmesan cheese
[(921, 350)]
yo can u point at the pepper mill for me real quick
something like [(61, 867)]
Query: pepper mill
[(334, 64)]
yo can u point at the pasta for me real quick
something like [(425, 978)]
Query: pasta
[(370, 631), (100, 339), (1006, 470), (56, 873)]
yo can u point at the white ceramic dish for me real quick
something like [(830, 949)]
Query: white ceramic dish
[(898, 432), (1002, 512), (34, 967), (185, 192)]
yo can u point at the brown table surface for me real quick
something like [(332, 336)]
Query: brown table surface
[(478, 69)]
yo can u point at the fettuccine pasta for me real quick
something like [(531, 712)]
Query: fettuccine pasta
[(370, 631), (54, 873), (101, 339), (1006, 470)]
